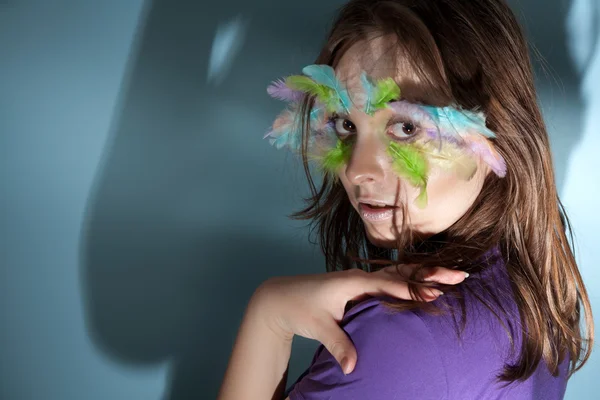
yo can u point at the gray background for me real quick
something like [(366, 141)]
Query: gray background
[(140, 206)]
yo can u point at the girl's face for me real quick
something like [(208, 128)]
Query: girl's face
[(369, 177)]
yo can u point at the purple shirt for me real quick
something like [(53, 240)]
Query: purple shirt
[(414, 355)]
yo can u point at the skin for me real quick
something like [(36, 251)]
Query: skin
[(369, 171)]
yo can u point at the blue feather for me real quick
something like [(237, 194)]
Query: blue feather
[(290, 135), (289, 139), (280, 141), (317, 112), (368, 88), (325, 75), (451, 120)]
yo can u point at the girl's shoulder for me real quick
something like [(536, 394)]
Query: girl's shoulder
[(396, 354), (464, 365)]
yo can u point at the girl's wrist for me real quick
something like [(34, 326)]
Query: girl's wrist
[(262, 308)]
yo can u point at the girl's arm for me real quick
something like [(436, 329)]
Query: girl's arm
[(258, 364), (311, 306)]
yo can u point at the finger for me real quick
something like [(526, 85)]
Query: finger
[(401, 290), (430, 294), (404, 270), (389, 284), (377, 284), (427, 274), (444, 275), (337, 342)]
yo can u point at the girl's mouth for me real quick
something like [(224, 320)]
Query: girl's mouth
[(376, 213)]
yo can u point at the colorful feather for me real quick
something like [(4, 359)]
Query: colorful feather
[(325, 75), (484, 149), (324, 94), (284, 131), (412, 112), (281, 91), (369, 90), (469, 144), (455, 121), (450, 158), (282, 123), (305, 84), (318, 111), (410, 163), (442, 137), (319, 123), (336, 157), (385, 91)]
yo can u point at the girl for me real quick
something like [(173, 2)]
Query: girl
[(422, 118)]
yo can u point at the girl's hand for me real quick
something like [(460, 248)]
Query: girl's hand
[(313, 305)]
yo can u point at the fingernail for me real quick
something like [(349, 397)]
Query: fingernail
[(438, 292), (466, 275), (345, 365)]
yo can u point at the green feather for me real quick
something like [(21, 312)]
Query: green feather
[(421, 200), (325, 75), (410, 163), (336, 157), (325, 94), (450, 158), (369, 89), (385, 91)]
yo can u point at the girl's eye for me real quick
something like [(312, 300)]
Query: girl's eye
[(403, 130), (344, 126)]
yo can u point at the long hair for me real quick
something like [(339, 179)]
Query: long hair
[(472, 54)]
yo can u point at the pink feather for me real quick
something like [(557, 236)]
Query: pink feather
[(482, 147), (279, 90), (282, 123)]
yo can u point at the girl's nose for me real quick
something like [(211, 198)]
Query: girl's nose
[(368, 160)]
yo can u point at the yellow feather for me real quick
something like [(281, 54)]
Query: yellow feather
[(450, 158)]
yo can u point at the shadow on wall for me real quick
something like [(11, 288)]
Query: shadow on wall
[(184, 217), (180, 222), (558, 79)]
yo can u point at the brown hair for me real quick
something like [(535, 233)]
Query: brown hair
[(472, 54)]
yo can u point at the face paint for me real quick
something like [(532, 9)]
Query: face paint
[(448, 138)]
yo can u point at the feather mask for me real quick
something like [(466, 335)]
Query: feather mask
[(451, 138)]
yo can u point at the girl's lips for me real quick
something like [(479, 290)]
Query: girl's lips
[(376, 213)]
